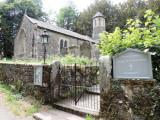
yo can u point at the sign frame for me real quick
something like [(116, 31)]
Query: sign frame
[(150, 75), (38, 75)]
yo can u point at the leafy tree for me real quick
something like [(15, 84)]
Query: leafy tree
[(67, 17), (154, 5), (115, 15), (137, 34), (11, 13), (84, 22)]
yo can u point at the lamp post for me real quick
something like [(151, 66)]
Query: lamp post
[(44, 41)]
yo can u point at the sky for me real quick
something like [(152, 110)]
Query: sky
[(53, 6)]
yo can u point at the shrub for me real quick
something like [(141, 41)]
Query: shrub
[(89, 117), (68, 59), (137, 34)]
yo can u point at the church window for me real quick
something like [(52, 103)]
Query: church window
[(99, 21), (104, 22), (61, 44), (65, 44)]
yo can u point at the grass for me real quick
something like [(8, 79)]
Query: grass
[(19, 105), (89, 117), (68, 59)]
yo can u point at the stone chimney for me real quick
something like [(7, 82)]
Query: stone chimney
[(98, 25)]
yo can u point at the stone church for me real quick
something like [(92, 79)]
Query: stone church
[(28, 42)]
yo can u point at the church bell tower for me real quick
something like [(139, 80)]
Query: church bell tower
[(98, 25)]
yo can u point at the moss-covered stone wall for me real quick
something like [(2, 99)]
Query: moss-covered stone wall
[(21, 78), (127, 99), (131, 100)]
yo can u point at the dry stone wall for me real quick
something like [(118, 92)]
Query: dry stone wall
[(127, 99), (22, 77)]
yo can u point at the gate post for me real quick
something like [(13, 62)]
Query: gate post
[(75, 86), (105, 73), (105, 68), (111, 97), (55, 81)]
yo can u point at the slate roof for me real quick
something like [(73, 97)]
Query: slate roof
[(98, 14), (60, 30)]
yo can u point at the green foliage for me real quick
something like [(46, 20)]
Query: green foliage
[(84, 21), (67, 17), (138, 34), (18, 85), (116, 15), (11, 12), (89, 117), (17, 103), (147, 103), (68, 59)]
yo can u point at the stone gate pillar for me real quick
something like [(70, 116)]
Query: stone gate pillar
[(105, 73), (105, 80), (124, 99), (55, 81)]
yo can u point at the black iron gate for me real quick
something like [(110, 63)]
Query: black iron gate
[(80, 85)]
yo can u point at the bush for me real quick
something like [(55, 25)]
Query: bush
[(68, 59), (142, 35), (89, 117)]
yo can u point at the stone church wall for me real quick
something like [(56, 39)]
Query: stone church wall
[(28, 42), (53, 46), (23, 41)]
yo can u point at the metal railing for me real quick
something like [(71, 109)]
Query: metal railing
[(80, 85)]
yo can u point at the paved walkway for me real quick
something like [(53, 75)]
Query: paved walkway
[(6, 114), (54, 114)]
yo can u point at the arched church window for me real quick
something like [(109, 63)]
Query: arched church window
[(22, 41), (99, 22), (61, 44), (65, 44)]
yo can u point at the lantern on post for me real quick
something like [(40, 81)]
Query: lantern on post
[(44, 41)]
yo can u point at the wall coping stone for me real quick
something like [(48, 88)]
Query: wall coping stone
[(147, 80), (25, 64)]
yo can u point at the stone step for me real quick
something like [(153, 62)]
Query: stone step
[(92, 92), (95, 89), (55, 114), (83, 112)]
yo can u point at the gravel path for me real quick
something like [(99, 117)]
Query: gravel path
[(6, 114)]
